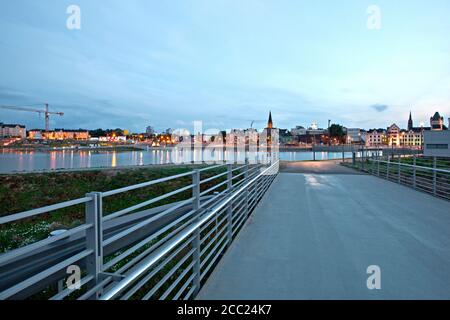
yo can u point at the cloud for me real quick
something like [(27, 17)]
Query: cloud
[(379, 107)]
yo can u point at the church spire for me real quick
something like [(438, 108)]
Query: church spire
[(410, 122), (270, 123)]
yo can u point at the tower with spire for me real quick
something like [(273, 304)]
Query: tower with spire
[(270, 123), (410, 122)]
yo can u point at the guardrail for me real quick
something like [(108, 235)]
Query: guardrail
[(169, 263), (434, 179)]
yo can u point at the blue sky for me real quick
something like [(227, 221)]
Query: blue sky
[(167, 63)]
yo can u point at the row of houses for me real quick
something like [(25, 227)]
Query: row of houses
[(410, 137), (12, 131), (19, 131)]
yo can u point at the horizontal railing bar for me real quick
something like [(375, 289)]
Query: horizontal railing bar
[(142, 243), (217, 241), (213, 188), (145, 184), (412, 166), (238, 168), (33, 212), (145, 222), (42, 275), (143, 281), (146, 203), (183, 287), (213, 177), (218, 233), (96, 288), (167, 276), (212, 167), (5, 257), (177, 281), (213, 220), (215, 197), (190, 292), (205, 272)]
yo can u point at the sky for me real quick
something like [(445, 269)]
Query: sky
[(226, 63)]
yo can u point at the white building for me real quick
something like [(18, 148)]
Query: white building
[(375, 137), (12, 131), (437, 143)]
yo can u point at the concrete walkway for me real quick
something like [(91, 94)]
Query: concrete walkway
[(317, 167), (313, 237)]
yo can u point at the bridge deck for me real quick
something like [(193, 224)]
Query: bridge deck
[(313, 237)]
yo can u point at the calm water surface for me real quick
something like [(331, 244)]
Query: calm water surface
[(13, 160)]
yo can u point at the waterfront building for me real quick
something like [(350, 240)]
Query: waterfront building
[(376, 137), (12, 131), (58, 134), (393, 135)]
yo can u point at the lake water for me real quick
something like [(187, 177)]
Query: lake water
[(13, 160)]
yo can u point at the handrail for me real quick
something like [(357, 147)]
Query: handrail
[(411, 165), (170, 245), (34, 212)]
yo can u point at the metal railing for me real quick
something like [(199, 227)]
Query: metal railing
[(135, 262), (431, 175)]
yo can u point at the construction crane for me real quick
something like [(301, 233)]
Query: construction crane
[(40, 111)]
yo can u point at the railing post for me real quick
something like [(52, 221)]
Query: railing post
[(399, 170), (246, 189), (230, 205), (434, 175), (196, 240), (362, 158), (414, 172), (94, 238), (378, 167), (388, 167)]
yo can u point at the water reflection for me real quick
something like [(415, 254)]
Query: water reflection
[(13, 160)]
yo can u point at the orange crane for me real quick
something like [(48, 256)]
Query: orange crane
[(40, 111)]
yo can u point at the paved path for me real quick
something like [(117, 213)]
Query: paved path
[(317, 167), (313, 237)]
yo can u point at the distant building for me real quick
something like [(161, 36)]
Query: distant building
[(58, 134), (286, 137), (437, 143), (298, 131), (376, 137), (150, 131), (437, 122), (12, 131), (393, 135), (270, 132), (410, 122), (354, 135)]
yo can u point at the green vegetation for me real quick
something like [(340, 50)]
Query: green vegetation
[(28, 191)]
